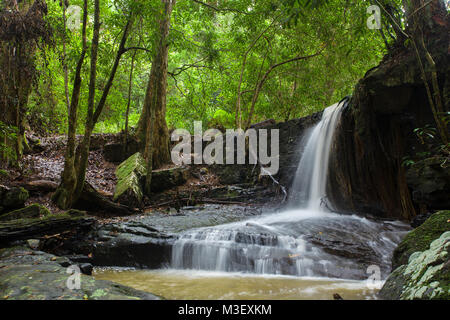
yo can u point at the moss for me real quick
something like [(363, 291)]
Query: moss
[(32, 211), (428, 272), (420, 238), (426, 276), (15, 198), (129, 174)]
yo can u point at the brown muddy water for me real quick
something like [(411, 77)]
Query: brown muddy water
[(203, 285)]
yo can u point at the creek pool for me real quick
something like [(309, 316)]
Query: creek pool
[(210, 285)]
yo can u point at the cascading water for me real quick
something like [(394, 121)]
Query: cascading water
[(308, 189), (306, 240)]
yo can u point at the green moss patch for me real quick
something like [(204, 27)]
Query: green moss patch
[(129, 175), (32, 211), (420, 238)]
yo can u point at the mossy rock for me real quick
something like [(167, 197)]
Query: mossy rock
[(129, 176), (15, 198), (32, 211), (35, 275), (425, 276), (420, 238)]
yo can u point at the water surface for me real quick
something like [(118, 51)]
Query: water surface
[(206, 285)]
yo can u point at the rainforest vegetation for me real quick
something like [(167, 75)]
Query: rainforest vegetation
[(91, 90)]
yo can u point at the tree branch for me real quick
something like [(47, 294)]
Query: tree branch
[(219, 9)]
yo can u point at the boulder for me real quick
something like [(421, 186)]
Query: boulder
[(234, 174), (164, 179), (130, 174), (420, 238), (32, 211), (425, 276), (14, 198), (117, 152), (35, 275)]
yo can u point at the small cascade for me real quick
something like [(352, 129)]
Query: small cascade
[(308, 189), (305, 240)]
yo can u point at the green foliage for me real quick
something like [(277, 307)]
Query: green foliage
[(425, 133), (206, 54), (7, 134)]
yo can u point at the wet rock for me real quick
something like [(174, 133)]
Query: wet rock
[(146, 242), (32, 211), (26, 274), (376, 132), (33, 243), (86, 268), (14, 198), (420, 238), (129, 181), (79, 258), (425, 276)]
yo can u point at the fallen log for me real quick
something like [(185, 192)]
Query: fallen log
[(22, 229), (39, 186)]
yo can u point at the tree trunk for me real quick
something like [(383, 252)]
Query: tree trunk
[(82, 155), (155, 97), (17, 71), (73, 180), (127, 113), (63, 196)]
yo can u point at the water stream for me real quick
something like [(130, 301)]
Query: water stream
[(306, 240)]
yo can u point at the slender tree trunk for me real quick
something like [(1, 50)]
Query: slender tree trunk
[(64, 62), (93, 117), (82, 154), (155, 97), (73, 179), (127, 113), (63, 196)]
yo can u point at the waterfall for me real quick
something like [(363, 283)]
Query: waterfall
[(308, 189), (305, 240)]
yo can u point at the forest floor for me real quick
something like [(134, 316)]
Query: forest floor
[(46, 163)]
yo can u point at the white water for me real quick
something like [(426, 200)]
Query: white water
[(306, 240), (311, 177)]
